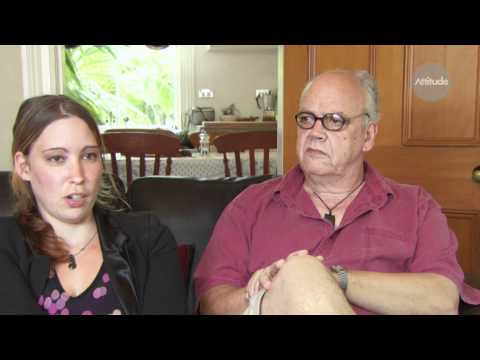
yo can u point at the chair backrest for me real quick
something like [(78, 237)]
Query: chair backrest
[(140, 130), (189, 207), (141, 144), (251, 141)]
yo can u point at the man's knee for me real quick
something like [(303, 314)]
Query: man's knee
[(299, 279), (304, 286), (303, 268)]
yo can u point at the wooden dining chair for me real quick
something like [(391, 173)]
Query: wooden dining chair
[(251, 141), (141, 145), (142, 130)]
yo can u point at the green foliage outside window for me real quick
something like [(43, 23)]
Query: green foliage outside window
[(123, 85)]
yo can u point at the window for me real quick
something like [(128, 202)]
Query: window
[(124, 85)]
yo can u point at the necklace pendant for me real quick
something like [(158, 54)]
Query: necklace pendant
[(330, 217), (72, 264)]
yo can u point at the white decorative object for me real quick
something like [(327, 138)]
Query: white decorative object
[(204, 142)]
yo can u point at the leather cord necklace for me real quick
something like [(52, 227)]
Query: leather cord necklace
[(72, 263), (330, 217)]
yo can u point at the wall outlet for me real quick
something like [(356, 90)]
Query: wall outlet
[(205, 93), (262, 91)]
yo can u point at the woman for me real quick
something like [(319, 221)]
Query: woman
[(66, 251)]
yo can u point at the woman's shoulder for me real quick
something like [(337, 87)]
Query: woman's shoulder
[(12, 242), (10, 231)]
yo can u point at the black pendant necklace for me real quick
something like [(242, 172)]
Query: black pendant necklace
[(330, 217), (72, 263)]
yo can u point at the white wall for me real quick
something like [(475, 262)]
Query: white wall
[(10, 98), (234, 76)]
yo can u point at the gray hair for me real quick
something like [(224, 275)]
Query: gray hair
[(367, 82)]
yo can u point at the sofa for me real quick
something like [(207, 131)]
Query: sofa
[(6, 195), (189, 206)]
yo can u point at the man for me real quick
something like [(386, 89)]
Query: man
[(333, 236)]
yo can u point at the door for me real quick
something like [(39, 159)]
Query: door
[(433, 142)]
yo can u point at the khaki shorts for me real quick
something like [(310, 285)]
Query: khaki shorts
[(254, 303)]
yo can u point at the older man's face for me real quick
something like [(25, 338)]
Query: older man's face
[(324, 152)]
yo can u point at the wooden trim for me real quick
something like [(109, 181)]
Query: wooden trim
[(471, 249), (312, 61), (407, 96), (461, 214), (372, 61), (477, 114), (296, 75)]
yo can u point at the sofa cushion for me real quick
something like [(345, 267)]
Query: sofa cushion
[(189, 206), (7, 200)]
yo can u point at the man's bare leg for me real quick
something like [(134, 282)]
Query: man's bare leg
[(305, 286)]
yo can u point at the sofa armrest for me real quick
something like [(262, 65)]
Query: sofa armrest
[(185, 253), (468, 309)]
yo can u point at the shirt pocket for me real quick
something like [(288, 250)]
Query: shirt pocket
[(386, 250)]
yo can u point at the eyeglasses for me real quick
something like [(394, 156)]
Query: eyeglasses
[(330, 121)]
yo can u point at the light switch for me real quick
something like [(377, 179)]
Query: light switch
[(262, 91), (205, 93)]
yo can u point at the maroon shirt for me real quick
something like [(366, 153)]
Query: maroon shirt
[(389, 227)]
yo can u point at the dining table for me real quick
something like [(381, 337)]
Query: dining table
[(198, 165)]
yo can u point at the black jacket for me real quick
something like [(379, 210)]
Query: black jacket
[(140, 255)]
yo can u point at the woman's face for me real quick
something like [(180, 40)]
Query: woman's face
[(64, 169)]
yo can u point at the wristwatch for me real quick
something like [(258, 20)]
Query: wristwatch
[(341, 275)]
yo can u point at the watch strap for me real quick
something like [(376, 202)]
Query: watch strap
[(342, 276)]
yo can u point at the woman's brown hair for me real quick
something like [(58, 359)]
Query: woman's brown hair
[(34, 115)]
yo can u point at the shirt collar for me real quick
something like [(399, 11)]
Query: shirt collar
[(375, 193)]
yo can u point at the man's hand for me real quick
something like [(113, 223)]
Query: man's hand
[(263, 278)]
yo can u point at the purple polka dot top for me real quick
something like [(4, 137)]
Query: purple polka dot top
[(98, 299)]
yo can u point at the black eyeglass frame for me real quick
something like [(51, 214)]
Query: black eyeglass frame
[(344, 120)]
